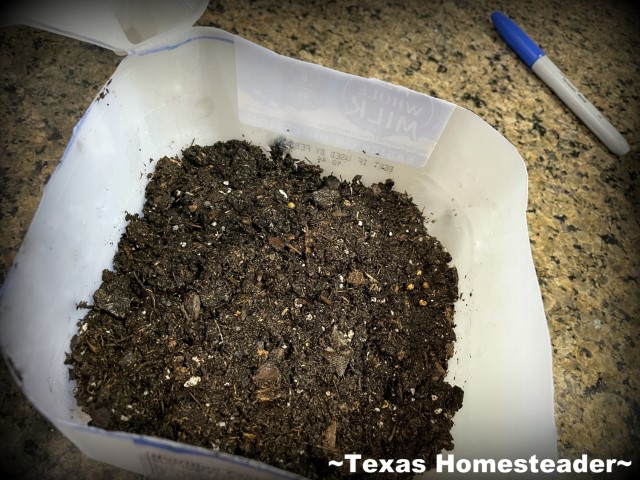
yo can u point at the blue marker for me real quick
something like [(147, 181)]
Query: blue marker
[(536, 60)]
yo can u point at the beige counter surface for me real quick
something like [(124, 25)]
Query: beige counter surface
[(584, 202)]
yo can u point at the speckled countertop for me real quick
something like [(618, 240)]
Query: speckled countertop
[(583, 201)]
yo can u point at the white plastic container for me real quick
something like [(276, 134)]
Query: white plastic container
[(200, 85)]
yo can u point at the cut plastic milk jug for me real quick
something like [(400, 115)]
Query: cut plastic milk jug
[(180, 85)]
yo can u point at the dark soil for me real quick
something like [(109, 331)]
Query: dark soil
[(263, 310)]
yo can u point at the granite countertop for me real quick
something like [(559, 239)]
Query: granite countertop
[(583, 201)]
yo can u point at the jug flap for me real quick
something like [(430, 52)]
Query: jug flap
[(318, 104), (120, 25)]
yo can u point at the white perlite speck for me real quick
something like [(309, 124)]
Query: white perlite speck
[(193, 381)]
